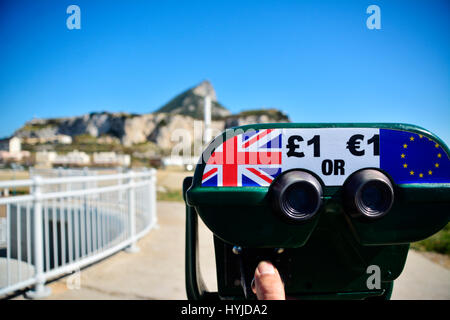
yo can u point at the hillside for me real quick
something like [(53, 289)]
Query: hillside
[(156, 132)]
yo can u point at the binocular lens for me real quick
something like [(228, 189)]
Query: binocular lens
[(301, 197), (375, 197), (368, 193), (296, 195)]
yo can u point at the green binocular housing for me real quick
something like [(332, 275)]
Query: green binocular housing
[(323, 202)]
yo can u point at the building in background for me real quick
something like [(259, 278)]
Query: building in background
[(49, 138), (11, 150), (188, 163), (77, 159), (73, 158), (12, 145), (45, 158), (111, 159)]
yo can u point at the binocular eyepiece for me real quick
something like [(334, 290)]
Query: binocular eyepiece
[(368, 194), (349, 196), (297, 195)]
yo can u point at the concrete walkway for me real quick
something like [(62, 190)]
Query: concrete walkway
[(422, 279), (157, 271)]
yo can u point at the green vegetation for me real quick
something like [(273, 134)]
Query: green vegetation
[(90, 144), (48, 123), (170, 195), (139, 162), (84, 139), (36, 126), (440, 242), (28, 147), (141, 147), (84, 142), (87, 143), (123, 115)]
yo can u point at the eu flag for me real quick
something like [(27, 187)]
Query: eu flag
[(413, 158)]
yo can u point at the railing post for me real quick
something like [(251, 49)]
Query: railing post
[(120, 182), (132, 214), (152, 195), (39, 290)]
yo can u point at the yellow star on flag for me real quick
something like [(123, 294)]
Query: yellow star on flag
[(407, 145)]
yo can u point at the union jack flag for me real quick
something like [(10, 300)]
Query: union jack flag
[(249, 159)]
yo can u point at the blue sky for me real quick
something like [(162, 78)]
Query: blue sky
[(315, 60)]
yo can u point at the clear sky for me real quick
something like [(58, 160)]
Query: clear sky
[(315, 60)]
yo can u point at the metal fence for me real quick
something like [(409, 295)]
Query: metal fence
[(62, 224)]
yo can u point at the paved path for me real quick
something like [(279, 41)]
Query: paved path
[(157, 271), (422, 279)]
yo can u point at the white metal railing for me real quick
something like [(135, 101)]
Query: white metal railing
[(64, 223)]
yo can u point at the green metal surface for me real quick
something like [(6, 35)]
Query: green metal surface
[(418, 212), (195, 286), (328, 255)]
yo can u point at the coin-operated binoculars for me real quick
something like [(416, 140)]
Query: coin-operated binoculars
[(333, 206)]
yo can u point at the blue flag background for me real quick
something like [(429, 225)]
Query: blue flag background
[(413, 158)]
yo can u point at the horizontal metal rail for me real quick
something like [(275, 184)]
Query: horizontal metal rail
[(44, 235), (65, 180), (64, 194)]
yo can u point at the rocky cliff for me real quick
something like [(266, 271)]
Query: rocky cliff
[(181, 114), (190, 103)]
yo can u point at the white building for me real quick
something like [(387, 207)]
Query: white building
[(75, 157), (63, 139), (188, 163), (111, 159), (11, 150), (45, 158), (12, 145), (49, 138)]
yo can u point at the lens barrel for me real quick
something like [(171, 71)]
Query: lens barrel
[(368, 194), (296, 195)]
